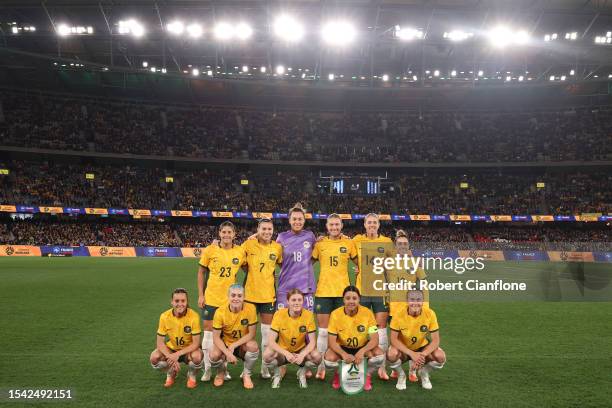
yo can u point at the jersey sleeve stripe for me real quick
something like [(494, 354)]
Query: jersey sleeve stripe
[(159, 334)]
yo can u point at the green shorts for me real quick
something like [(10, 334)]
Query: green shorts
[(326, 305), (351, 351), (208, 313), (376, 303), (266, 308)]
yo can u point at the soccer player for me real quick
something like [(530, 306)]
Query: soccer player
[(292, 340), (181, 326), (371, 223), (333, 253), (262, 255), (296, 268), (410, 328), (402, 247), (234, 328), (217, 271), (353, 336)]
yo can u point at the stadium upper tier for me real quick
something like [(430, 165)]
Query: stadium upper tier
[(274, 190), (89, 125)]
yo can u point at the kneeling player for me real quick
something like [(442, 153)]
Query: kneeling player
[(234, 327), (181, 325), (353, 335), (409, 330), (292, 340)]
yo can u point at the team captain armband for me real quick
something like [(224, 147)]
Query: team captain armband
[(372, 329)]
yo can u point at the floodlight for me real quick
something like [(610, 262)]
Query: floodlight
[(338, 33), (288, 29)]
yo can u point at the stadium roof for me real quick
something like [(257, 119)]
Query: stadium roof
[(377, 58)]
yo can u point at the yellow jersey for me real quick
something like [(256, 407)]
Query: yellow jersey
[(414, 330), (262, 260), (234, 326), (293, 331), (361, 239), (352, 331), (179, 330), (333, 256), (396, 275), (223, 266)]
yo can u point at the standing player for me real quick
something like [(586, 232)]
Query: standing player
[(262, 255), (181, 325), (371, 222), (353, 336), (402, 247), (333, 253), (296, 269), (235, 326), (410, 328), (292, 340), (218, 268)]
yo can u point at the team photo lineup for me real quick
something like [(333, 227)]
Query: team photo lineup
[(350, 328), (335, 203)]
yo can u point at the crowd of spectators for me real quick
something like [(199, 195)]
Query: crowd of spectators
[(78, 232), (207, 132), (485, 192)]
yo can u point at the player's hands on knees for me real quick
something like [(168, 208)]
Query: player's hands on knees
[(299, 359), (230, 357), (418, 359), (348, 358), (172, 360), (201, 301), (359, 357), (290, 357)]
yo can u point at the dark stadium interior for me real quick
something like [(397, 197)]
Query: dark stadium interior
[(461, 143)]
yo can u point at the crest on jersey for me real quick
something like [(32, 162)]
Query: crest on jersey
[(423, 328), (306, 244), (187, 329), (273, 257), (381, 250), (244, 322), (235, 261), (343, 250), (361, 328), (302, 329)]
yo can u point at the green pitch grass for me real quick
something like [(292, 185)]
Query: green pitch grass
[(89, 325)]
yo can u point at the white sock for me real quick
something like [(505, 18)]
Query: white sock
[(265, 332), (383, 342), (435, 365), (193, 367), (272, 364), (330, 365), (217, 363), (374, 363), (397, 366), (310, 364), (322, 344), (207, 342), (160, 365), (249, 361)]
